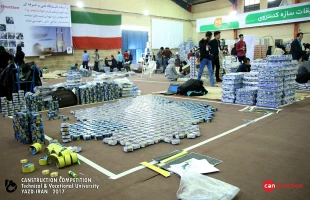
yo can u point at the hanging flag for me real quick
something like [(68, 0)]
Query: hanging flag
[(96, 31)]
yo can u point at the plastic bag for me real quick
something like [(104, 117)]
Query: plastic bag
[(195, 186)]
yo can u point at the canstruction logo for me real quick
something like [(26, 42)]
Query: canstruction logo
[(218, 22), (269, 186)]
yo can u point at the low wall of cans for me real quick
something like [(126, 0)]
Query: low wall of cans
[(8, 108)]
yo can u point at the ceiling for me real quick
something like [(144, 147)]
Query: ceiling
[(195, 2)]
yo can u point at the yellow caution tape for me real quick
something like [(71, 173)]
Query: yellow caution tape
[(35, 148), (27, 168), (172, 157), (54, 174), (67, 159), (45, 172), (60, 162), (74, 158), (23, 161), (156, 169), (43, 161)]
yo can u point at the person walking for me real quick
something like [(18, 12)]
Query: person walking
[(296, 48), (205, 58), (85, 59), (241, 49), (167, 55), (96, 65)]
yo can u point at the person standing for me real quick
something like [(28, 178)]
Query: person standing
[(126, 56), (205, 58), (19, 56), (120, 60), (296, 48), (130, 58), (160, 57), (85, 59), (96, 56), (241, 48), (214, 50), (4, 58), (167, 55)]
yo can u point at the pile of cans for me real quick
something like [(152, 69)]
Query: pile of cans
[(8, 108), (74, 78), (305, 86), (276, 81), (138, 122), (231, 82), (28, 127), (250, 79), (246, 96), (65, 134), (98, 92), (37, 103)]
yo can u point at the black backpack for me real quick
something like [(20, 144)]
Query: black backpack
[(64, 97), (192, 85)]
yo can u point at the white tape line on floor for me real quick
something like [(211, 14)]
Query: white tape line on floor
[(90, 163)]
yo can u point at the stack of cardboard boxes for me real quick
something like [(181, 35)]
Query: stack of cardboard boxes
[(260, 52)]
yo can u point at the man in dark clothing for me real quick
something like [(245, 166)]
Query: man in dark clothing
[(114, 62), (96, 57), (167, 55), (303, 75), (296, 48), (214, 50), (4, 58), (190, 54), (245, 66), (205, 57), (19, 56)]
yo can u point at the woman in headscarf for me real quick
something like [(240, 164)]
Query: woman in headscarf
[(19, 56), (171, 72), (4, 58)]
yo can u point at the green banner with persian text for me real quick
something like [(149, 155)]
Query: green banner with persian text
[(280, 15)]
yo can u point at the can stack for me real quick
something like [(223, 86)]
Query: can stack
[(4, 107), (21, 127), (192, 63), (36, 128), (250, 79), (139, 122), (304, 86), (246, 96), (74, 78), (65, 132), (276, 81), (289, 90), (231, 82)]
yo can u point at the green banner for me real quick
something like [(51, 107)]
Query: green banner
[(223, 26), (278, 15)]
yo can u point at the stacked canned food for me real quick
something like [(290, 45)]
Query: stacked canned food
[(74, 78), (246, 96), (250, 79), (99, 92), (138, 122), (28, 127), (305, 86), (231, 82), (4, 107), (276, 81)]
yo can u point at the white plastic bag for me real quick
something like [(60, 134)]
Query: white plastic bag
[(195, 186)]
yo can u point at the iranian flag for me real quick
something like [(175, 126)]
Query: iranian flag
[(96, 31)]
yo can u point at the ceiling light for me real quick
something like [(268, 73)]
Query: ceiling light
[(146, 12), (79, 4)]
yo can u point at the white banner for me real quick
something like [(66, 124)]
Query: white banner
[(40, 28)]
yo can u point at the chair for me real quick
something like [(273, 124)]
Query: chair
[(149, 69)]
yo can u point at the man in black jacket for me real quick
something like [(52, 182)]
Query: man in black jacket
[(214, 50), (205, 58), (296, 48)]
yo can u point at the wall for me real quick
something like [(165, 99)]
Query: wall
[(132, 15), (285, 31)]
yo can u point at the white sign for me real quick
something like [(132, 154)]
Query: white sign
[(40, 28)]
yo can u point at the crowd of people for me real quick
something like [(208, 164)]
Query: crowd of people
[(121, 61)]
